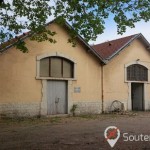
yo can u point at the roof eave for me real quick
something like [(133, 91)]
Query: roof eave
[(144, 40), (12, 44), (86, 44)]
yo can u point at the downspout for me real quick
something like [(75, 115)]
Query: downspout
[(102, 87)]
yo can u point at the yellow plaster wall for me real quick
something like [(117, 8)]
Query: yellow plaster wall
[(115, 87), (18, 71)]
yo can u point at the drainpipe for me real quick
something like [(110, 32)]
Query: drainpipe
[(102, 87)]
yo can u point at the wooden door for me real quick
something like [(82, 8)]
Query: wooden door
[(137, 92), (57, 97)]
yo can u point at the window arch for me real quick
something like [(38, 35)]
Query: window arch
[(137, 72), (56, 67)]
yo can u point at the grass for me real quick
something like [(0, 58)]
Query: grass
[(55, 119), (58, 119), (29, 121)]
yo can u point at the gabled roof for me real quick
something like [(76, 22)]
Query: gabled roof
[(110, 49), (104, 51), (6, 45)]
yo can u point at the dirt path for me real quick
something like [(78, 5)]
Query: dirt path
[(67, 133)]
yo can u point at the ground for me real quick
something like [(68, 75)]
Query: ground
[(73, 133)]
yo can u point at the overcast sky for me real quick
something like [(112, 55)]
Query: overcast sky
[(110, 31)]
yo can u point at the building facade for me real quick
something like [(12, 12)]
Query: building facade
[(51, 78)]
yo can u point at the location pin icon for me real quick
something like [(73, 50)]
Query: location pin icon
[(112, 134)]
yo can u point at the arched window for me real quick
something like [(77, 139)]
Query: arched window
[(137, 72), (56, 67)]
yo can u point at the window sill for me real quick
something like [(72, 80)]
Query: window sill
[(51, 78)]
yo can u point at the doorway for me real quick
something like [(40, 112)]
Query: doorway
[(137, 96), (56, 97)]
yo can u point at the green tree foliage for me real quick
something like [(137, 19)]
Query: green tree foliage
[(87, 17)]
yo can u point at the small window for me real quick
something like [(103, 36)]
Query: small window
[(56, 67), (137, 72)]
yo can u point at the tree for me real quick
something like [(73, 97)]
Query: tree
[(87, 17)]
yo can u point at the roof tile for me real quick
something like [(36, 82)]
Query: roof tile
[(107, 49)]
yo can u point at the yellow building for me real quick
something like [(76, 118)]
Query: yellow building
[(52, 77)]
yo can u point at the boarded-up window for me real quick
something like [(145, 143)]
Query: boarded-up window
[(44, 67), (67, 69), (137, 72), (56, 67)]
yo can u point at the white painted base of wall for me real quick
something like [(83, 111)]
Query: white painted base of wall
[(19, 109), (88, 107), (35, 109)]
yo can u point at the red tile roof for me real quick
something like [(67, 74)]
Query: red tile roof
[(108, 49)]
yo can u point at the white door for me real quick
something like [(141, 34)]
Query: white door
[(57, 97)]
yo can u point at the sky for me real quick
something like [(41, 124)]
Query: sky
[(110, 32)]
